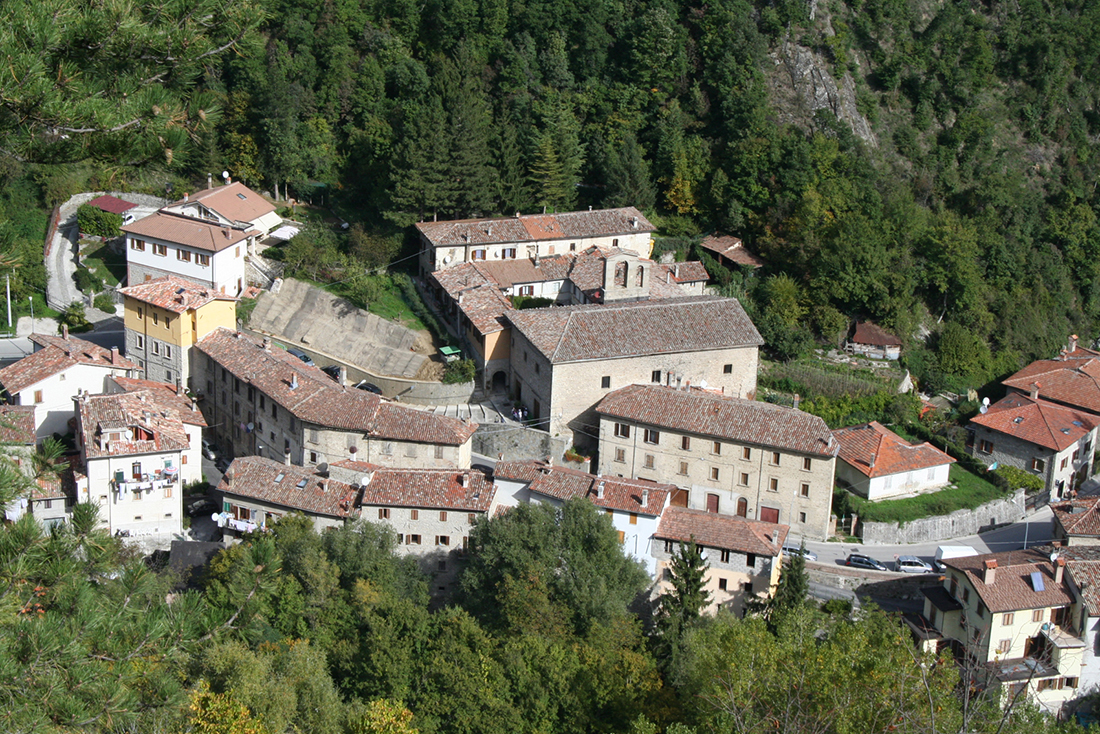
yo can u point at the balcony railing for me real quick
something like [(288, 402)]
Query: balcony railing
[(151, 481)]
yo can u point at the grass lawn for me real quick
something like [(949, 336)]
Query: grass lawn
[(382, 298), (969, 491), (110, 266)]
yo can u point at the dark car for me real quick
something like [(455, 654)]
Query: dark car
[(205, 506), (333, 371), (300, 355), (857, 560), (369, 387)]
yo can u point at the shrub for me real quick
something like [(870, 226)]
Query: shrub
[(459, 371), (86, 280), (95, 221), (104, 303), (571, 454), (524, 302), (1019, 479)]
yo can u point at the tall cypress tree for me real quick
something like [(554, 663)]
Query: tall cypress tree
[(685, 602)]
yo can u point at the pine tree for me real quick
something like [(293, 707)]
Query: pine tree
[(685, 602), (548, 178), (794, 586), (627, 175)]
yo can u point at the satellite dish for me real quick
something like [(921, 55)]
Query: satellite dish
[(447, 260), (984, 409), (225, 174), (985, 402), (365, 480), (703, 384), (129, 434), (322, 467), (1053, 556), (249, 427), (216, 516), (353, 449)]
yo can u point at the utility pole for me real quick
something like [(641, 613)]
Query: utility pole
[(30, 299), (7, 283)]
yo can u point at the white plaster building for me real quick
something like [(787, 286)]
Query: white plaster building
[(878, 463), (59, 368)]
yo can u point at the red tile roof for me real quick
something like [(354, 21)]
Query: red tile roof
[(670, 326), (874, 335), (153, 426), (875, 451), (111, 204), (707, 413), (163, 394), (173, 293), (183, 230), (1079, 517), (1037, 421), (292, 487), (313, 397), (1011, 589), (691, 271), (563, 483), (17, 425), (731, 248), (434, 489), (57, 355), (723, 532), (1086, 575), (234, 201), (533, 227), (1074, 380)]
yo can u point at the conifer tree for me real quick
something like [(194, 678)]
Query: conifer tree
[(687, 599)]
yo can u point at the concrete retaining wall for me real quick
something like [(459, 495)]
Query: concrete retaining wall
[(517, 443), (945, 527)]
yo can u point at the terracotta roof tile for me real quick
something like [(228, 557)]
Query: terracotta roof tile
[(57, 355), (875, 451), (111, 204), (1037, 421), (173, 293), (310, 395), (436, 489), (1011, 588), (533, 227), (1073, 381), (154, 426), (691, 271), (674, 325), (1083, 566), (731, 248), (874, 335), (723, 532), (234, 201), (184, 230), (563, 483), (1079, 517), (163, 394), (17, 425), (293, 487), (708, 413)]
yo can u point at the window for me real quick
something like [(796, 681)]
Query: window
[(168, 490), (237, 251), (161, 250), (1008, 619), (383, 513), (773, 485), (622, 537), (1071, 682), (986, 447), (38, 396), (775, 458), (966, 594), (744, 481), (746, 453), (471, 518), (807, 463), (716, 448), (1038, 465), (1076, 455), (439, 452), (714, 474), (312, 457), (685, 443), (605, 382), (442, 516), (410, 450), (725, 556), (750, 560), (620, 455), (649, 461), (633, 518), (412, 540), (527, 290), (722, 584), (656, 376), (683, 468), (1037, 615), (477, 255), (414, 514), (1004, 646), (668, 546), (203, 260), (804, 490), (508, 253), (156, 318), (727, 369), (156, 347), (168, 353), (387, 448), (1063, 464), (138, 245), (183, 255), (140, 314), (652, 436), (442, 540), (802, 517)]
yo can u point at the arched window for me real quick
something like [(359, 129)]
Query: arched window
[(641, 277), (742, 507), (620, 275)]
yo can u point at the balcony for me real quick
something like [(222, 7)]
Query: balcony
[(148, 482)]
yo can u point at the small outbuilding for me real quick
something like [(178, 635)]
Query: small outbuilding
[(871, 340), (878, 463)]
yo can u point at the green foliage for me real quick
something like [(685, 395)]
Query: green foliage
[(74, 317), (94, 221), (86, 281), (459, 371), (523, 302), (1020, 479), (104, 303), (965, 492), (794, 587), (245, 307)]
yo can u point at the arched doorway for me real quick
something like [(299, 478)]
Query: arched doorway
[(500, 381), (742, 507)]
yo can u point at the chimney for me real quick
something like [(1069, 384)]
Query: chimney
[(797, 400), (645, 498), (267, 343), (342, 376), (1059, 569), (186, 196), (1072, 343), (179, 386), (1034, 394), (225, 231), (240, 335), (599, 490), (589, 207), (209, 180), (294, 381), (321, 485), (286, 457), (677, 269), (463, 480), (115, 357), (550, 461), (228, 477), (536, 258), (989, 571), (668, 277), (64, 331)]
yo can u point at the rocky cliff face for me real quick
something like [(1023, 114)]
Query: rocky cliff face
[(801, 84)]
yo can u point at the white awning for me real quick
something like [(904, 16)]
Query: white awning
[(284, 233)]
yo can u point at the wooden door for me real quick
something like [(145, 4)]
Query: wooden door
[(769, 514)]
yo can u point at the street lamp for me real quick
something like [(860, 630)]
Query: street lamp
[(30, 299)]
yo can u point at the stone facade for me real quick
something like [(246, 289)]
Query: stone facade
[(732, 582), (1059, 468)]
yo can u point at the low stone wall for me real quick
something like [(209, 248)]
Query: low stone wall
[(945, 527), (517, 442)]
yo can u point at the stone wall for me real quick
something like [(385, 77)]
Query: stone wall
[(945, 527), (517, 443)]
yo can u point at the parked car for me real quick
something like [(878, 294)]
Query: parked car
[(300, 355), (369, 387), (205, 506), (790, 550), (912, 564), (858, 560), (209, 450)]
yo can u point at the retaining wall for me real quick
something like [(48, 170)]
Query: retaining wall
[(945, 527), (517, 443)]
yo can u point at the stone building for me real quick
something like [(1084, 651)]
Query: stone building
[(565, 360), (1072, 379), (726, 455), (260, 400), (1077, 522), (744, 557), (1050, 441), (165, 317), (443, 244), (634, 506)]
